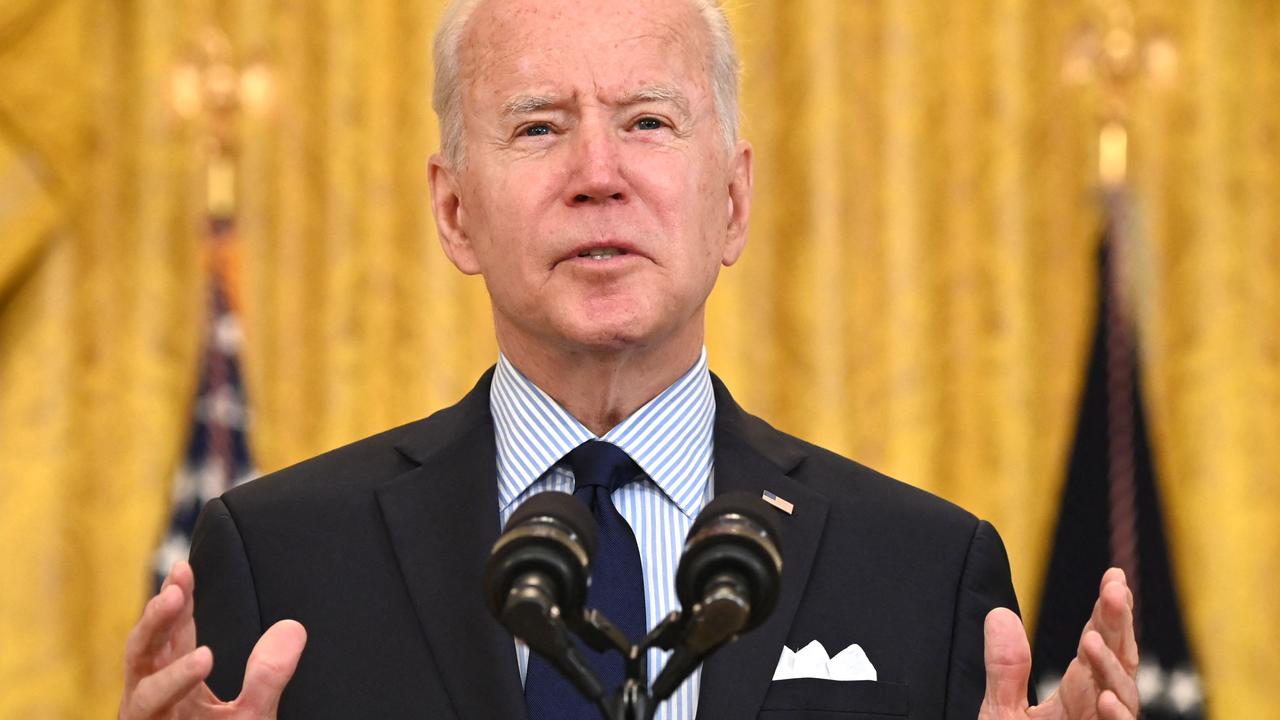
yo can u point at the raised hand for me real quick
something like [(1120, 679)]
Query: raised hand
[(1099, 682), (165, 671)]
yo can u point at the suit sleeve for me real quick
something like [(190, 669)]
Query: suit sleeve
[(985, 584), (226, 605)]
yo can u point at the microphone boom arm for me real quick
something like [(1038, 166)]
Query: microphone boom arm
[(531, 609)]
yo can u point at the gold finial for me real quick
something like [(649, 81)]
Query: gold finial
[(1113, 153), (208, 86), (1111, 54)]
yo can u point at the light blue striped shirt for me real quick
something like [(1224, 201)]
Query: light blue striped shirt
[(670, 438)]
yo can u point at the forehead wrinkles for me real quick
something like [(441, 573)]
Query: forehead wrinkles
[(505, 40)]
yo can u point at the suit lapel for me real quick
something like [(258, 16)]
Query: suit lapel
[(442, 518), (753, 457)]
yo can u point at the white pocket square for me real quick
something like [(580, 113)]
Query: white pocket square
[(812, 661)]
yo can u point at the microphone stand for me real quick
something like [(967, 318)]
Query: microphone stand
[(633, 700)]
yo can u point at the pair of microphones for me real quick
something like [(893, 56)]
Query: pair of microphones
[(727, 581)]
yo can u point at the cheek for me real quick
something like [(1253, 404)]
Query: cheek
[(670, 187), (509, 207)]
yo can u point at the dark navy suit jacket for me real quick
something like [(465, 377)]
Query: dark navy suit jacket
[(377, 548)]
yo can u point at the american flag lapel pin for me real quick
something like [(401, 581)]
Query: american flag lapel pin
[(778, 502)]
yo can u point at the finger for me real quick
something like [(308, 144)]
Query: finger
[(159, 692), (1007, 656), (1115, 613), (182, 576), (1116, 575), (1109, 675), (150, 633), (1104, 619), (1112, 614), (184, 634), (1110, 708), (271, 665)]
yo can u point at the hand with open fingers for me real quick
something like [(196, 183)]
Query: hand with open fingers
[(165, 671), (1099, 683)]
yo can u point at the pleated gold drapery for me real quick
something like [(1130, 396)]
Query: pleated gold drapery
[(916, 292)]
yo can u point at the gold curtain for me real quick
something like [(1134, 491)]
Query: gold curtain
[(916, 294)]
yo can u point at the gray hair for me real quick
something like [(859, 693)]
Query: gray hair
[(446, 96)]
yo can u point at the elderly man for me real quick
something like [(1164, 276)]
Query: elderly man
[(592, 173)]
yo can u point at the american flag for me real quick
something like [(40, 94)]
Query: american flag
[(778, 502), (1111, 513), (217, 455)]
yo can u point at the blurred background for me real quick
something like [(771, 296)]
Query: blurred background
[(213, 206)]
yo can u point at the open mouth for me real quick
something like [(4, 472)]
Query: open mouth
[(602, 253)]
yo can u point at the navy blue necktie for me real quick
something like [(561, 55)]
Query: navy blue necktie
[(617, 585)]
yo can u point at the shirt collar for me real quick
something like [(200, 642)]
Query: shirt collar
[(670, 437)]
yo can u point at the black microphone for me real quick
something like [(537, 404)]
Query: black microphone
[(535, 580), (727, 581)]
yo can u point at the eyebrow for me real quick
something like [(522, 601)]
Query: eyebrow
[(526, 104), (658, 93)]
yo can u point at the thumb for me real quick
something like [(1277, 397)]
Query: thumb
[(1008, 660), (271, 665)]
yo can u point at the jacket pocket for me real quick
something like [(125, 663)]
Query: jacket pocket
[(811, 699)]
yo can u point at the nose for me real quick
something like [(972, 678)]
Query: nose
[(597, 176)]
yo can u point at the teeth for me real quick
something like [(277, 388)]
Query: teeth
[(602, 253)]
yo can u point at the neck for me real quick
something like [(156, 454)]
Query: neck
[(601, 388)]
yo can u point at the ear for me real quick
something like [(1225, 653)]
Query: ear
[(741, 177), (446, 205)]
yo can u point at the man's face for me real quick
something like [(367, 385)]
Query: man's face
[(597, 198)]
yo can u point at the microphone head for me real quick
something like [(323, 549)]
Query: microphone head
[(735, 533), (551, 533), (563, 508)]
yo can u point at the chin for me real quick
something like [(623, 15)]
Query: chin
[(633, 324), (608, 338), (611, 332)]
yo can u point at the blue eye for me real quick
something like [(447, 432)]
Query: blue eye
[(649, 123), (536, 130)]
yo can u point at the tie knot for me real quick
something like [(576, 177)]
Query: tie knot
[(603, 464)]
